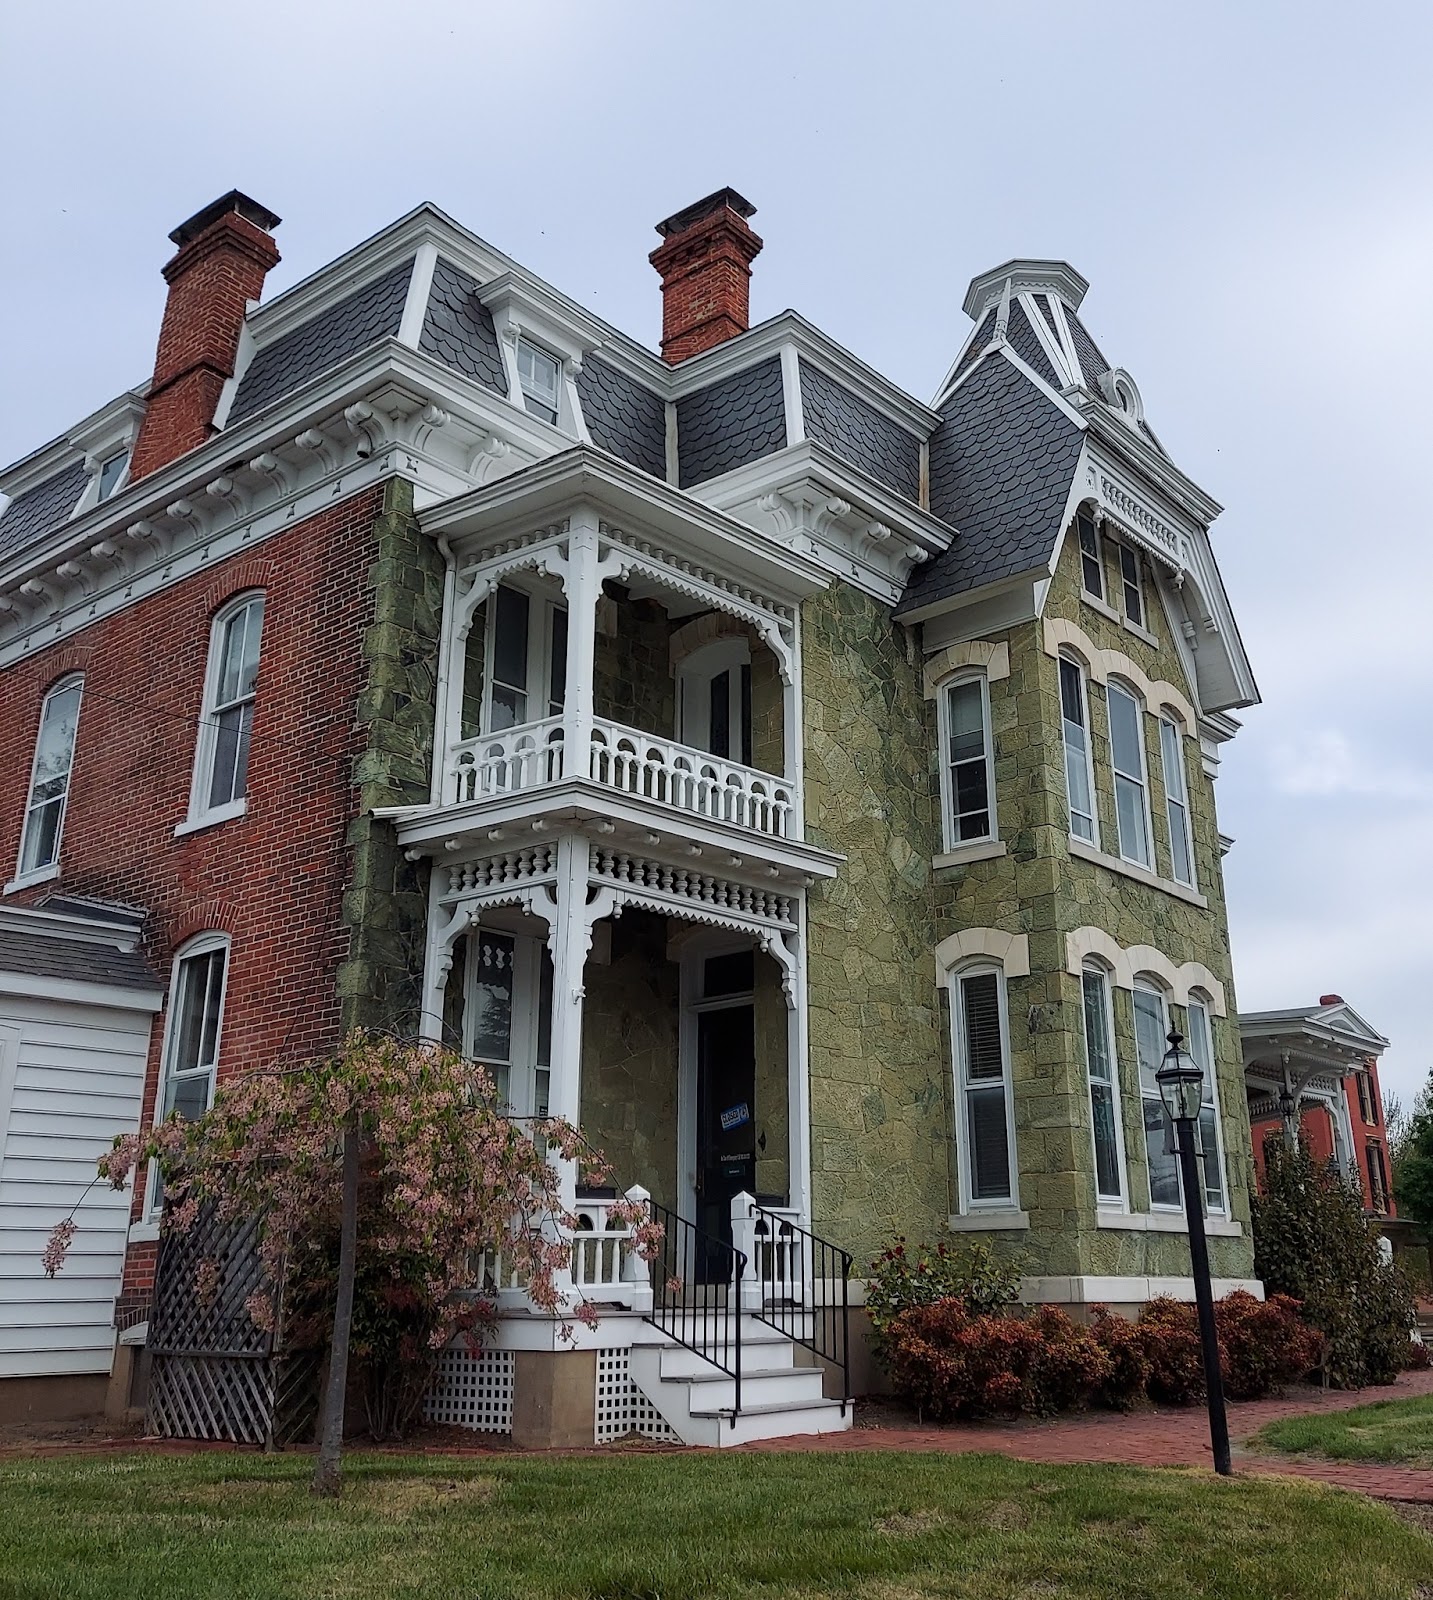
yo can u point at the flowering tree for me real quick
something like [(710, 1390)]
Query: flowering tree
[(387, 1166)]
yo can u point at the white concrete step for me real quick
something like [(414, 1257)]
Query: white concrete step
[(716, 1391), (788, 1421), (768, 1354)]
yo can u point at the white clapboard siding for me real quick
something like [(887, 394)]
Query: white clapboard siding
[(71, 1078)]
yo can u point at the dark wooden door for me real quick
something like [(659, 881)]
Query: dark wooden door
[(726, 1118)]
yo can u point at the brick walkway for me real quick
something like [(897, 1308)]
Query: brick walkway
[(1172, 1438)]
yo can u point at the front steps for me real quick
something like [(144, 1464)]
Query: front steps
[(778, 1397)]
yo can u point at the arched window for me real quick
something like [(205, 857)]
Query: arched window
[(1151, 1027), (714, 699), (1092, 565), (1102, 1068), (221, 767), (985, 1129), (967, 768), (1079, 773), (1211, 1138), (1131, 778), (1176, 801), (50, 776)]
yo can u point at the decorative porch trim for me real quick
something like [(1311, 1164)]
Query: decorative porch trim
[(696, 896), (1124, 964)]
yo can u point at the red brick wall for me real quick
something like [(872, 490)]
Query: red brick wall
[(272, 879), (706, 284)]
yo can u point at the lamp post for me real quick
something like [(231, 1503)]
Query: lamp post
[(1181, 1087)]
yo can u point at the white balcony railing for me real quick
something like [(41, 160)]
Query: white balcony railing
[(629, 762)]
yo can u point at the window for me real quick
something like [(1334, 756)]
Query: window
[(983, 1101), (111, 471), (714, 700), (1176, 802), (226, 727), (1201, 1048), (1104, 1086), (50, 776), (527, 659), (1151, 1025), (1377, 1176), (508, 1017), (1127, 753), (1079, 782), (191, 1043), (1092, 571), (539, 376), (1130, 582), (968, 772), (1365, 1098)]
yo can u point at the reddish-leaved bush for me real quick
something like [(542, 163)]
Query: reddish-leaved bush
[(1169, 1332), (1418, 1358), (1265, 1344), (1129, 1367)]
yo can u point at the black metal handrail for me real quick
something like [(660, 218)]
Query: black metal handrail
[(694, 1295), (803, 1281)]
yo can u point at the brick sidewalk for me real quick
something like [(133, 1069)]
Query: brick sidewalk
[(1171, 1438)]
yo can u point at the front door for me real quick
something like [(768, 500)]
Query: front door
[(726, 1125)]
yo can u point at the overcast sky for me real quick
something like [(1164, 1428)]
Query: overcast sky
[(1247, 188)]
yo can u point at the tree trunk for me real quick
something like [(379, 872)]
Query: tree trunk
[(327, 1472)]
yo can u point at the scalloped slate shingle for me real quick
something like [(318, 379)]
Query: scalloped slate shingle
[(458, 329), (853, 429), (977, 344), (1026, 345), (1001, 465), (30, 516), (1091, 360), (624, 416), (1048, 312), (371, 313), (722, 427)]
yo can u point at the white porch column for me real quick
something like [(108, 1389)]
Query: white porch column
[(789, 951), (582, 584), (569, 941), (444, 928)]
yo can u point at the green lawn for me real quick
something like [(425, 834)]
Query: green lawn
[(685, 1527), (1399, 1432)]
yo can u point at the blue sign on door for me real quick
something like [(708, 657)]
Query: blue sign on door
[(734, 1116)]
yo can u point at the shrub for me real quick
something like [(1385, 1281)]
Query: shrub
[(1311, 1241), (1265, 1344), (1125, 1383), (1070, 1364), (905, 1276), (1169, 1332), (1417, 1357)]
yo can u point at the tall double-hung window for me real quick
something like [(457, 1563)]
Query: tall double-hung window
[(968, 767), (1176, 802), (226, 724), (1079, 773), (527, 659), (984, 1110), (1132, 589), (1103, 1076), (1201, 1048), (1092, 567), (508, 1017), (191, 1038), (1131, 783), (1151, 1026), (540, 379), (50, 776)]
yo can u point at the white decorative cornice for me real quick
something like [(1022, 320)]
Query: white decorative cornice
[(1125, 963), (1025, 275)]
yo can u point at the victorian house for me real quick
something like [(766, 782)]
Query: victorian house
[(806, 789)]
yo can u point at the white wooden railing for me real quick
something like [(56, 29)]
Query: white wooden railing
[(627, 761)]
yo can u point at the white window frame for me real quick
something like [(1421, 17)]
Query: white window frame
[(201, 945), (950, 823), (1203, 1045), (1171, 742), (1105, 1199), (1129, 561), (48, 869), (121, 478), (1082, 676), (967, 1204), (1149, 1093), (1115, 687), (524, 1028), (694, 677), (1084, 520), (541, 605), (534, 403), (201, 813)]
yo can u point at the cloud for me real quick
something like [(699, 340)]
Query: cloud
[(1324, 763)]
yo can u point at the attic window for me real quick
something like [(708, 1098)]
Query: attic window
[(111, 471), (1092, 572), (539, 375)]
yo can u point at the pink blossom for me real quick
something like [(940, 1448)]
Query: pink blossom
[(58, 1244)]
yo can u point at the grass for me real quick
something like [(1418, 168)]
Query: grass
[(685, 1527), (1396, 1432)]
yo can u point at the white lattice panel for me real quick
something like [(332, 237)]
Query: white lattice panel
[(473, 1389), (622, 1408)]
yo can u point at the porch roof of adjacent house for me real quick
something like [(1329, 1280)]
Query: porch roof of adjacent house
[(75, 941), (1326, 1031)]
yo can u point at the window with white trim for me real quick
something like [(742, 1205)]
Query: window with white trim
[(1201, 1049), (526, 673), (1092, 567), (968, 769), (1176, 802), (111, 471), (1131, 783), (1103, 1072), (985, 1133), (507, 1021), (714, 699), (226, 725), (1151, 1029), (1130, 584), (539, 376), (50, 776), (1079, 774), (191, 1036)]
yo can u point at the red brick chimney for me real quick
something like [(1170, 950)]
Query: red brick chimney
[(224, 255), (705, 265)]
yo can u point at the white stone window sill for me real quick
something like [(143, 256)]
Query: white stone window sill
[(212, 819), (1104, 608), (145, 1232), (989, 1221), (23, 880), (1128, 869), (1165, 1222), (1141, 633), (976, 850)]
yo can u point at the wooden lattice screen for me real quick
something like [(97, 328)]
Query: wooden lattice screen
[(214, 1373)]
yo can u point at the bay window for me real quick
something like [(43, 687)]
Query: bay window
[(1103, 1075), (1131, 785), (1201, 1048), (984, 1112), (1079, 775), (1176, 802), (1151, 1026)]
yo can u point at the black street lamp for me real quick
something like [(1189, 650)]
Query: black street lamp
[(1181, 1086)]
